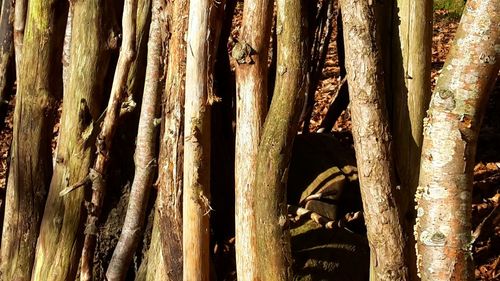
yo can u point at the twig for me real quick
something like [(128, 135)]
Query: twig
[(84, 182), (105, 138), (480, 229), (323, 28), (145, 162)]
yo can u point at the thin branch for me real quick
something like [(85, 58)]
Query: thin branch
[(105, 138), (145, 162), (20, 9)]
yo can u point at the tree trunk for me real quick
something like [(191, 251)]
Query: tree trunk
[(6, 49), (251, 55), (31, 160), (372, 142), (144, 156), (168, 216), (443, 229), (410, 89), (156, 267), (20, 9), (281, 125), (196, 187), (59, 243)]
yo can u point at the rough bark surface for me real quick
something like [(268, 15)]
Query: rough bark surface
[(31, 159), (66, 53), (59, 243), (251, 55), (144, 156), (273, 242), (169, 201), (196, 186), (372, 142), (443, 229)]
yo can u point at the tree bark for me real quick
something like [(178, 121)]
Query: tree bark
[(31, 160), (20, 9), (66, 54), (168, 217), (156, 267), (410, 90), (137, 72), (281, 125), (6, 48), (196, 186), (144, 156), (59, 242), (251, 54), (372, 142), (443, 228), (105, 138)]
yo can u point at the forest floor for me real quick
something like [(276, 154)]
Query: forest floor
[(486, 192)]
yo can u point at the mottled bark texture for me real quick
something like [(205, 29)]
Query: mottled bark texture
[(104, 140), (144, 156), (196, 186), (167, 225), (66, 54), (31, 159), (372, 142), (443, 228), (270, 208), (251, 55), (6, 48), (59, 243)]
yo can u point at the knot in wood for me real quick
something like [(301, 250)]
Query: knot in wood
[(242, 52)]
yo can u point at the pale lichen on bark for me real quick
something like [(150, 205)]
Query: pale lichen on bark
[(443, 228)]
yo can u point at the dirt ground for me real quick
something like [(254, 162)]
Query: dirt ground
[(486, 192)]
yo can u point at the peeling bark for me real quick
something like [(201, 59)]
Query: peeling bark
[(168, 217), (443, 229), (372, 142), (31, 159), (251, 55), (272, 237), (196, 185)]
